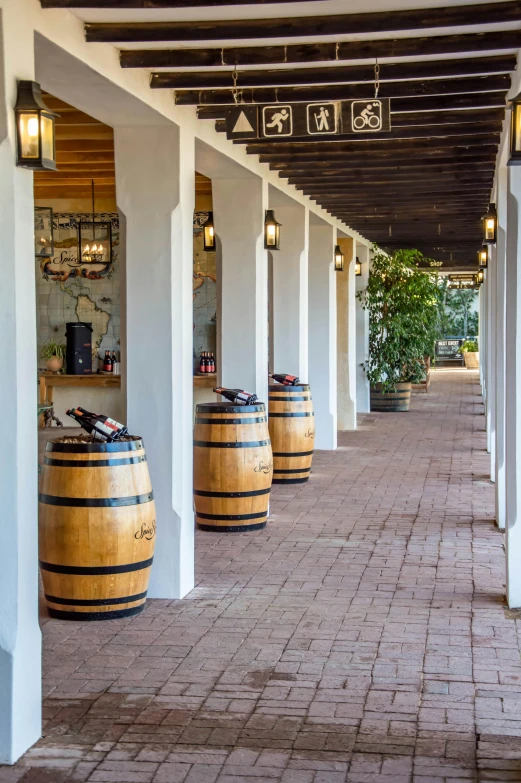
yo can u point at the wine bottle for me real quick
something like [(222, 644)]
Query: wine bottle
[(107, 362), (207, 361), (101, 428), (237, 396), (286, 380), (114, 359), (201, 362), (212, 363)]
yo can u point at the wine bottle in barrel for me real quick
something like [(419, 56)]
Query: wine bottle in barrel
[(101, 428), (237, 396), (286, 380)]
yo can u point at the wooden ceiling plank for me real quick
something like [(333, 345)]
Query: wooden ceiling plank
[(344, 74), (302, 26), (428, 87), (321, 52)]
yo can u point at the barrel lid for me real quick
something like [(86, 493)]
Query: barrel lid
[(229, 407), (279, 387), (94, 448)]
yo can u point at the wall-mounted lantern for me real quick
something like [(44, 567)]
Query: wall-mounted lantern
[(43, 232), (515, 132), (271, 231), (480, 277), (490, 226), (358, 268), (36, 148), (483, 257), (339, 259), (209, 234)]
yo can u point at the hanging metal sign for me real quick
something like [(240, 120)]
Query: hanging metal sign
[(318, 119)]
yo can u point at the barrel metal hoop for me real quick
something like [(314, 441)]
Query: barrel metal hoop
[(235, 517), (127, 599), (291, 470), (81, 617), (257, 420), (126, 568), (206, 494), (292, 454), (131, 500), (231, 528), (290, 415), (92, 463), (94, 448), (290, 481), (246, 444)]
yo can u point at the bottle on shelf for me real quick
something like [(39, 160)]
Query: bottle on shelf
[(107, 362), (286, 380), (201, 362), (114, 359), (237, 396), (212, 363), (102, 428)]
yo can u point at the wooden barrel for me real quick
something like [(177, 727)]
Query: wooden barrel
[(391, 402), (233, 466), (292, 432), (97, 527)]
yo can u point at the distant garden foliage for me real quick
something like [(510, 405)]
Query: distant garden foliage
[(404, 304), (457, 317)]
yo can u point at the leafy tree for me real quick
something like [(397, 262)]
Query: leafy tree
[(403, 303)]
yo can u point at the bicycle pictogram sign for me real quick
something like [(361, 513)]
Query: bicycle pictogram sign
[(366, 116)]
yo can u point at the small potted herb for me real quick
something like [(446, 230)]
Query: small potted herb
[(54, 355), (470, 351)]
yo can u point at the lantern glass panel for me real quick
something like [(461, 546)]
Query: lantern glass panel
[(47, 126), (490, 228), (28, 131), (43, 234), (209, 236), (358, 268)]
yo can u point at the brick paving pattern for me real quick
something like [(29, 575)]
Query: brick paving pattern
[(362, 637)]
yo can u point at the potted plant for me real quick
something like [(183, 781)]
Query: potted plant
[(54, 355), (402, 301), (470, 351)]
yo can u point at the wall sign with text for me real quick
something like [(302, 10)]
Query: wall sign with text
[(321, 119)]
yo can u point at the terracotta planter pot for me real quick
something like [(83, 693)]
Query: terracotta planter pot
[(391, 402), (54, 364), (471, 360)]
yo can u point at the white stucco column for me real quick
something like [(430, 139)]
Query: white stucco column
[(155, 184), (289, 310), (500, 345), (346, 337), (363, 392), (512, 386), (491, 360), (239, 207), (323, 332), (20, 640), (483, 341)]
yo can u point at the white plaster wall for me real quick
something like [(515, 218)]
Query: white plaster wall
[(346, 337), (363, 402)]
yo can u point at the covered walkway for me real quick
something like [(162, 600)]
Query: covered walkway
[(361, 637)]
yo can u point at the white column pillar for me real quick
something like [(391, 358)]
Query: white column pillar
[(20, 639), (155, 182), (322, 333), (483, 341), (512, 385), (239, 206), (500, 346), (289, 311), (346, 337), (491, 361), (363, 393)]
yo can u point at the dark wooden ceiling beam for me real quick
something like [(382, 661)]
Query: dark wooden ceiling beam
[(381, 176), (339, 92), (398, 167), (435, 132), (321, 52), (302, 26), (203, 80), (291, 153)]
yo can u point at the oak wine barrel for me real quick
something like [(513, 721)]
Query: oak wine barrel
[(292, 430), (233, 466), (391, 402), (97, 527)]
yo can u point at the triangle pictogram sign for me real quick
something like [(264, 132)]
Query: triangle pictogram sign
[(243, 125)]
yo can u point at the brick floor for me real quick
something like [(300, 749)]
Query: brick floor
[(360, 637)]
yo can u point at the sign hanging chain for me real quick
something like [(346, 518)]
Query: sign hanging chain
[(235, 91), (376, 79)]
